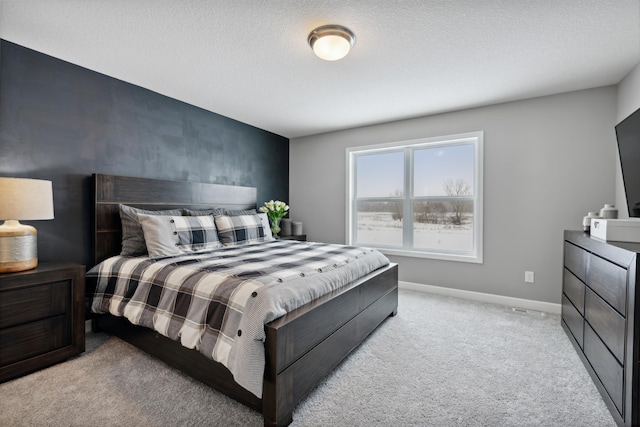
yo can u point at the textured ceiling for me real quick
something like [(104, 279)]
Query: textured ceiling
[(249, 59)]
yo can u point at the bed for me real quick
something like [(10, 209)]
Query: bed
[(300, 348)]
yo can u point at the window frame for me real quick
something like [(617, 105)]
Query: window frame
[(408, 199)]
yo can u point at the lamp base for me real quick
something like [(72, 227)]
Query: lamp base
[(18, 247)]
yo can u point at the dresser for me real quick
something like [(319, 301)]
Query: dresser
[(41, 317), (599, 290)]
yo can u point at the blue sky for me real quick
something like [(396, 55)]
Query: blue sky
[(382, 174)]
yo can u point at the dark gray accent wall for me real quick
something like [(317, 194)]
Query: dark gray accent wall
[(62, 122)]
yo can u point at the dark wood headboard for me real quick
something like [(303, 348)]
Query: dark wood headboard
[(112, 190)]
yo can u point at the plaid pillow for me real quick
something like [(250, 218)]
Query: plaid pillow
[(195, 233), (239, 230), (175, 235), (266, 226)]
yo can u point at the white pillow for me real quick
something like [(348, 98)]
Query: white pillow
[(132, 234), (175, 235)]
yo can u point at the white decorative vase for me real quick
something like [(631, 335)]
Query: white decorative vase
[(609, 212), (296, 228), (586, 221)]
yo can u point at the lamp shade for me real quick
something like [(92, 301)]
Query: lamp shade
[(25, 199)]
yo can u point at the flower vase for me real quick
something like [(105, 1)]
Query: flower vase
[(275, 226)]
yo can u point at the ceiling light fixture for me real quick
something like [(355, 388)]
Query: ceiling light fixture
[(331, 42)]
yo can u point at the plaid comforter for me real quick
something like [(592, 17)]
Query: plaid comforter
[(218, 301)]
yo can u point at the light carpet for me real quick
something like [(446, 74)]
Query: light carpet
[(441, 361)]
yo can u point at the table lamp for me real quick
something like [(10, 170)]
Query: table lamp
[(22, 199)]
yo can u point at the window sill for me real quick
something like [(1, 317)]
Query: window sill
[(477, 259)]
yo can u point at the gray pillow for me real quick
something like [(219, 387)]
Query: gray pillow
[(238, 212), (132, 235), (203, 212)]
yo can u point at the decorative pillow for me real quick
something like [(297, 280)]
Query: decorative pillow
[(132, 235), (237, 212), (174, 235), (266, 226), (198, 212), (195, 233), (239, 230)]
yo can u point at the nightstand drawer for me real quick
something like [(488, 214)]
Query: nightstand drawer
[(41, 317), (32, 303), (33, 339)]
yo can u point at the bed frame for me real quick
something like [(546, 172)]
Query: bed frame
[(301, 348)]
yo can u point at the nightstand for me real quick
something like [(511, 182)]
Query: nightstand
[(301, 237), (41, 317)]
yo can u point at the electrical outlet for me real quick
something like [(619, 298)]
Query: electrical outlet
[(528, 276)]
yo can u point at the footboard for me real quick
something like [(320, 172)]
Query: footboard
[(305, 345), (301, 348)]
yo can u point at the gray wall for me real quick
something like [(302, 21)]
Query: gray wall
[(547, 161), (628, 102), (62, 122)]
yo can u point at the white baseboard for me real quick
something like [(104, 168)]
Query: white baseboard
[(528, 304)]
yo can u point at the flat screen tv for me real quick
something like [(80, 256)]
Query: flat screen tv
[(628, 134)]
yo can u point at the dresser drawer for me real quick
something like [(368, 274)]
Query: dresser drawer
[(605, 365), (607, 323), (609, 281), (574, 289), (575, 259), (36, 302), (573, 319), (32, 339)]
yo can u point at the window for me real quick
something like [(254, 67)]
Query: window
[(418, 198)]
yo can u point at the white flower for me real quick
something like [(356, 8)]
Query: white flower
[(275, 209)]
